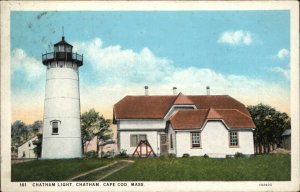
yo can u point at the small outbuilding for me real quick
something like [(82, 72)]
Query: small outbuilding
[(286, 139), (25, 150)]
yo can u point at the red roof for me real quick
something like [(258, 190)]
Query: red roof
[(194, 119), (143, 107), (218, 102), (188, 119), (223, 107), (213, 114), (183, 100), (235, 119)]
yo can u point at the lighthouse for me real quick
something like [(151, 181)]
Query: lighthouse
[(61, 126)]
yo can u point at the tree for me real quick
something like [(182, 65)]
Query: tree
[(92, 124), (88, 121), (38, 148), (103, 134), (19, 132), (36, 126), (270, 124)]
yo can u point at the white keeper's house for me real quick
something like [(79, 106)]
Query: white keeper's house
[(25, 150), (215, 125)]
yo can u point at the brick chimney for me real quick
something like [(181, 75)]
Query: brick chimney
[(146, 90), (174, 90), (207, 90)]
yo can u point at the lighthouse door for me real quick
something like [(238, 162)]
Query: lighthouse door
[(163, 144)]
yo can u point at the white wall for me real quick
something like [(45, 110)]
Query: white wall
[(61, 148), (62, 102), (152, 137), (29, 153), (142, 124), (214, 142)]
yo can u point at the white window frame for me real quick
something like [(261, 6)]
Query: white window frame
[(138, 139), (195, 140), (53, 123), (233, 139)]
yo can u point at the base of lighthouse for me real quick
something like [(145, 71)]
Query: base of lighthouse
[(66, 144), (62, 148)]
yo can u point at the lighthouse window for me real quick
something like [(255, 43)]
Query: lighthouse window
[(68, 49), (55, 128), (61, 48)]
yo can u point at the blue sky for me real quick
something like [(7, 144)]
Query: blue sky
[(245, 54)]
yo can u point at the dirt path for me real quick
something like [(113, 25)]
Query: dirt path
[(102, 172), (126, 164)]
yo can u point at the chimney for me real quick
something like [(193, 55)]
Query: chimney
[(208, 90), (174, 90), (146, 90)]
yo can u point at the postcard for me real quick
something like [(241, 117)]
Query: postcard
[(150, 96)]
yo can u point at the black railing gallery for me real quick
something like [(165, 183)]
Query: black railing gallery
[(62, 55)]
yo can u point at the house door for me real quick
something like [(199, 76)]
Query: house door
[(163, 144)]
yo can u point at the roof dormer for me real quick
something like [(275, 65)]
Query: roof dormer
[(213, 114), (181, 99), (181, 102)]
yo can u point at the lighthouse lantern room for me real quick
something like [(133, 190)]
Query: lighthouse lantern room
[(61, 125)]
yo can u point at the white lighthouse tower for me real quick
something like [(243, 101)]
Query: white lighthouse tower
[(61, 130)]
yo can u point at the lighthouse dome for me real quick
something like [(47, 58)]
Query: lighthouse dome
[(62, 52), (63, 46)]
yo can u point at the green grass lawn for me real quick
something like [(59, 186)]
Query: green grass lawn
[(258, 168), (54, 170), (99, 174)]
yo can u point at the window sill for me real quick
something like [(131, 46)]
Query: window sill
[(234, 146), (196, 147), (54, 133)]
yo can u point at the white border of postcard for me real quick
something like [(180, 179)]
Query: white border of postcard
[(8, 6)]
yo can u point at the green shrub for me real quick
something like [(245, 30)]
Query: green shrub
[(186, 155), (90, 154), (109, 154), (239, 155), (172, 155), (122, 154), (206, 156), (162, 156), (229, 156)]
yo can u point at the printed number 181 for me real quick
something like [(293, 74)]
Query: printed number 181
[(22, 184)]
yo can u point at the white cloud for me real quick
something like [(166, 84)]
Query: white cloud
[(116, 64), (32, 67), (239, 37), (283, 53), (284, 72), (190, 82), (123, 72)]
